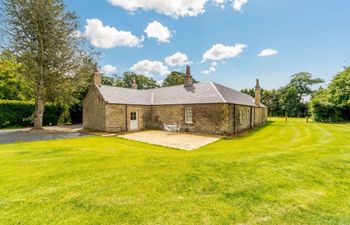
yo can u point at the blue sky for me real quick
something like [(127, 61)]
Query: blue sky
[(221, 38)]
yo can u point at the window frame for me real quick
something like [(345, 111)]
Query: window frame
[(133, 116), (188, 115)]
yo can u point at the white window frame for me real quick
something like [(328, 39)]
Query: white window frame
[(189, 115)]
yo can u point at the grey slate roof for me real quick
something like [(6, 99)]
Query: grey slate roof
[(198, 93)]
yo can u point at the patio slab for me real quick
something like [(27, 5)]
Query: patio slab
[(182, 141)]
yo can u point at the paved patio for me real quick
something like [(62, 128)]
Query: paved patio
[(173, 140)]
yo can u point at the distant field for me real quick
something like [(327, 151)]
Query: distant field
[(282, 173)]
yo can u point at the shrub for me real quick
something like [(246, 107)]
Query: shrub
[(326, 112), (21, 113), (76, 113)]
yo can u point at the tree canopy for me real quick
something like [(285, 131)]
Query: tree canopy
[(43, 36), (12, 84), (175, 78), (142, 81), (333, 103), (302, 82)]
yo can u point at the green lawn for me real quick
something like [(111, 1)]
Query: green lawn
[(283, 173)]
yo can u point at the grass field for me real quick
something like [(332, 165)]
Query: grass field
[(282, 173)]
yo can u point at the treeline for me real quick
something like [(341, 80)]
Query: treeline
[(144, 82), (298, 99)]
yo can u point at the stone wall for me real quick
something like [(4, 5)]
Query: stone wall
[(242, 117), (115, 118), (207, 118), (94, 115), (246, 117), (258, 116), (118, 117)]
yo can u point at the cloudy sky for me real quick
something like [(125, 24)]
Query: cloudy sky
[(231, 42)]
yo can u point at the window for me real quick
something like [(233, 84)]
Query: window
[(188, 115), (133, 116)]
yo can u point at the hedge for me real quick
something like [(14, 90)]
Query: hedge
[(326, 112), (21, 113)]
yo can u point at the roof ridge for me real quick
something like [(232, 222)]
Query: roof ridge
[(217, 91), (150, 89)]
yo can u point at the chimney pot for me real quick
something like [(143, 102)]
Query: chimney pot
[(134, 85), (188, 78), (96, 79), (257, 93)]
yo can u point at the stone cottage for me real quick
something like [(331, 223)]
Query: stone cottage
[(197, 107)]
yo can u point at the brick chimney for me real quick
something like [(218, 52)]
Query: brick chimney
[(134, 85), (257, 93), (96, 79), (188, 79)]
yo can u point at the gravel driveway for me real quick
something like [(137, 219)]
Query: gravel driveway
[(50, 133)]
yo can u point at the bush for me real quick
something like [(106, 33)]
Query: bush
[(21, 114), (326, 112), (76, 113)]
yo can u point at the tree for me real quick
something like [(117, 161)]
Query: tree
[(142, 81), (270, 98), (12, 85), (289, 100), (333, 103), (81, 83), (175, 78), (302, 82), (106, 80), (339, 89), (43, 35)]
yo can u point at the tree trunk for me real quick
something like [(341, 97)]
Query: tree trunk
[(39, 108)]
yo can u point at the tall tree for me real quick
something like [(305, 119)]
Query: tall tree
[(302, 82), (43, 35)]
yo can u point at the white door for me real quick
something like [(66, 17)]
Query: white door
[(134, 120)]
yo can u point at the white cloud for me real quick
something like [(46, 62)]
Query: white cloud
[(220, 51), (209, 71), (158, 31), (108, 69), (237, 4), (148, 68), (109, 37), (268, 52), (177, 59), (214, 64), (174, 8), (220, 3)]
